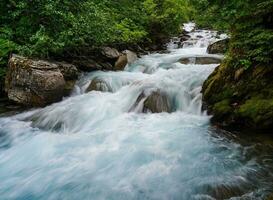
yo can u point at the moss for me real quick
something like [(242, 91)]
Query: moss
[(222, 106), (245, 102), (215, 88), (260, 111), (221, 110)]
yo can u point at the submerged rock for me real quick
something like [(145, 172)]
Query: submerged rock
[(219, 47), (155, 102), (201, 60), (34, 82), (240, 98), (98, 85)]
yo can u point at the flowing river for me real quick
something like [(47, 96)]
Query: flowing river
[(100, 146)]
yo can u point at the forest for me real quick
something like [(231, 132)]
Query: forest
[(42, 28)]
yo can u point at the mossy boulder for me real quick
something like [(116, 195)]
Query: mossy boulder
[(219, 47), (240, 98)]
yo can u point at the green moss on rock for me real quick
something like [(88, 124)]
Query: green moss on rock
[(222, 107), (258, 111), (244, 101)]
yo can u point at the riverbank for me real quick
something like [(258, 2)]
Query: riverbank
[(28, 80), (241, 98)]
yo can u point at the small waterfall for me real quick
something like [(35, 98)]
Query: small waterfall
[(101, 145)]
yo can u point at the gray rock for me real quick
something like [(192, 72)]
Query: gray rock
[(34, 83), (111, 53), (70, 73), (219, 47), (201, 60), (98, 85), (157, 102)]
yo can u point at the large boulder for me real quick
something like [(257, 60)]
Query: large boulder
[(240, 98), (201, 60), (98, 85), (34, 82), (219, 47)]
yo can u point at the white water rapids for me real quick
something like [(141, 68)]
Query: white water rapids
[(94, 146)]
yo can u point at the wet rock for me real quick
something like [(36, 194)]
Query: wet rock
[(69, 71), (200, 60), (121, 63), (155, 102), (219, 47), (34, 83), (188, 43), (128, 57), (110, 53), (98, 85), (69, 86), (184, 37), (8, 108), (224, 191), (70, 74)]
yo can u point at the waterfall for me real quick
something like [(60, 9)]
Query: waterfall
[(100, 145)]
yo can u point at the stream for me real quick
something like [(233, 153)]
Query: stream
[(99, 145)]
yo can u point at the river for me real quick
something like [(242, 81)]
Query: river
[(99, 145)]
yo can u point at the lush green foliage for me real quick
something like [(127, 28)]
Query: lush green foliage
[(250, 23), (41, 28)]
